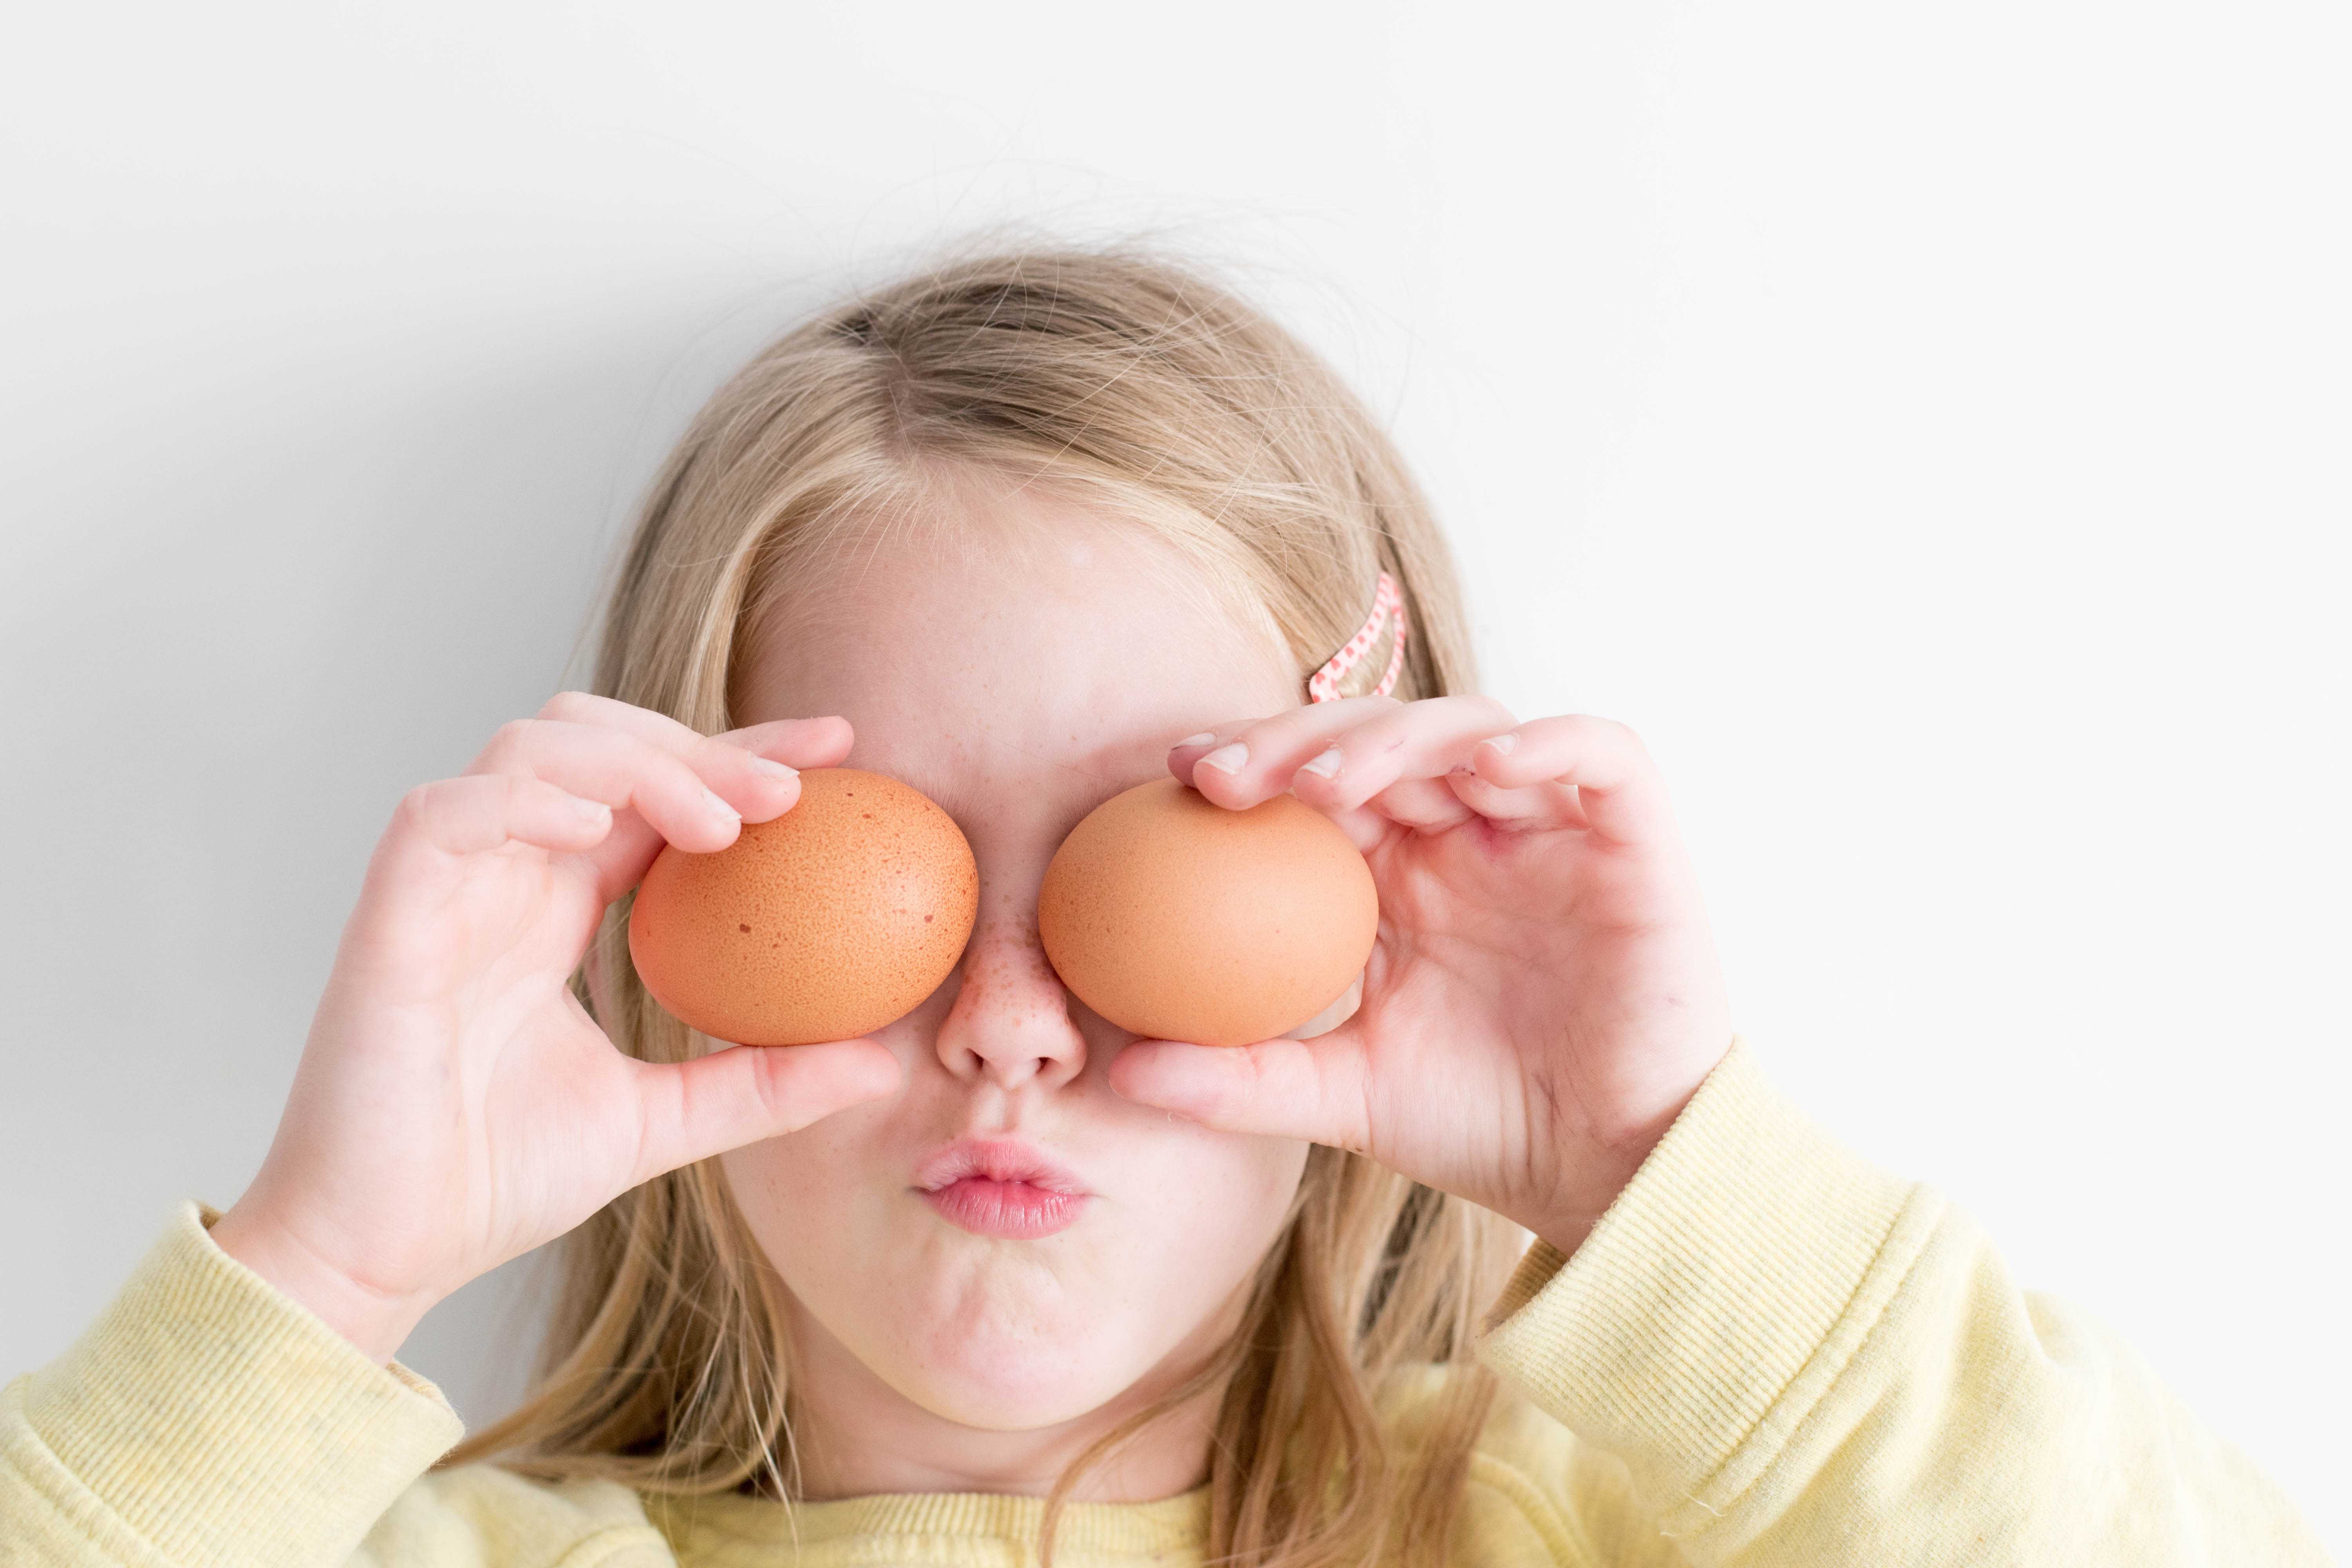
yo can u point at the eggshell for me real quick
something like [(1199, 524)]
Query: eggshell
[(822, 924), (1178, 919)]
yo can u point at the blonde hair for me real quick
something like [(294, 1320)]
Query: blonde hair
[(666, 1364)]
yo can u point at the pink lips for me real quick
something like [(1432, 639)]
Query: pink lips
[(1000, 1187)]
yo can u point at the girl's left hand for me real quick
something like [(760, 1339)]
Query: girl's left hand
[(1544, 997)]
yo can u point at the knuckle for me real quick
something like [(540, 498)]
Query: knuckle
[(771, 1089), (666, 768), (417, 810), (511, 737), (707, 754), (568, 705), (1381, 726)]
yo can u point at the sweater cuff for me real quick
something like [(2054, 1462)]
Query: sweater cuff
[(1718, 1298), (220, 1421)]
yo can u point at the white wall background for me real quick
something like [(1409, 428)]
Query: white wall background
[(1927, 426)]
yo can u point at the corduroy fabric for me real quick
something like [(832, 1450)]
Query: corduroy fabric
[(1767, 1352)]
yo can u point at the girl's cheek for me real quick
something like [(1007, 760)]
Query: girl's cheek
[(792, 1186), (1227, 1203)]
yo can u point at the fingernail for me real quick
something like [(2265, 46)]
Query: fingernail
[(1324, 765), (1202, 739), (769, 768), (1502, 743), (1225, 759), (592, 811), (721, 808)]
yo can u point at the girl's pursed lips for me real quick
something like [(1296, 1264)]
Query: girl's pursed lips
[(1008, 1211), (999, 1160), (1000, 1187)]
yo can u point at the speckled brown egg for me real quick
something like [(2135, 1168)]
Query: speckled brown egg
[(1182, 919), (822, 924)]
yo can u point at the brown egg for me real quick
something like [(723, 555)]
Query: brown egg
[(1177, 919), (823, 923)]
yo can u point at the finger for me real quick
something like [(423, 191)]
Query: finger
[(470, 815), (1617, 785), (826, 733), (1291, 1089), (753, 769), (1426, 806), (821, 743), (621, 862), (691, 1110), (1525, 809), (1366, 828), (599, 762), (1425, 739), (1243, 763)]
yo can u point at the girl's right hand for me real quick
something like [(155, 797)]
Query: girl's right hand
[(455, 1106)]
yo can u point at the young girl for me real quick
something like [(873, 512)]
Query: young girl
[(1024, 532)]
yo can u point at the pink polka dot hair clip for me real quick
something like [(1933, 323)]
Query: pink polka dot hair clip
[(1384, 628)]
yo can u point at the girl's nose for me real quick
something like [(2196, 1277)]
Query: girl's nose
[(1010, 1024)]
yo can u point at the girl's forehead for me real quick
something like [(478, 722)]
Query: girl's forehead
[(1068, 670)]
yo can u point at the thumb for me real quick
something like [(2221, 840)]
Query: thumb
[(691, 1110), (1292, 1089)]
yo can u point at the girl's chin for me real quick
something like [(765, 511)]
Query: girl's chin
[(1009, 1388)]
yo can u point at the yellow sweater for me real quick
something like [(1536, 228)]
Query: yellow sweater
[(1768, 1351)]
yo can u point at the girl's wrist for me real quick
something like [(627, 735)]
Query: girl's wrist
[(1571, 1217), (375, 1324)]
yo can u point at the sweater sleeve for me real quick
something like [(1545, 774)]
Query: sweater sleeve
[(1799, 1358), (207, 1418)]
